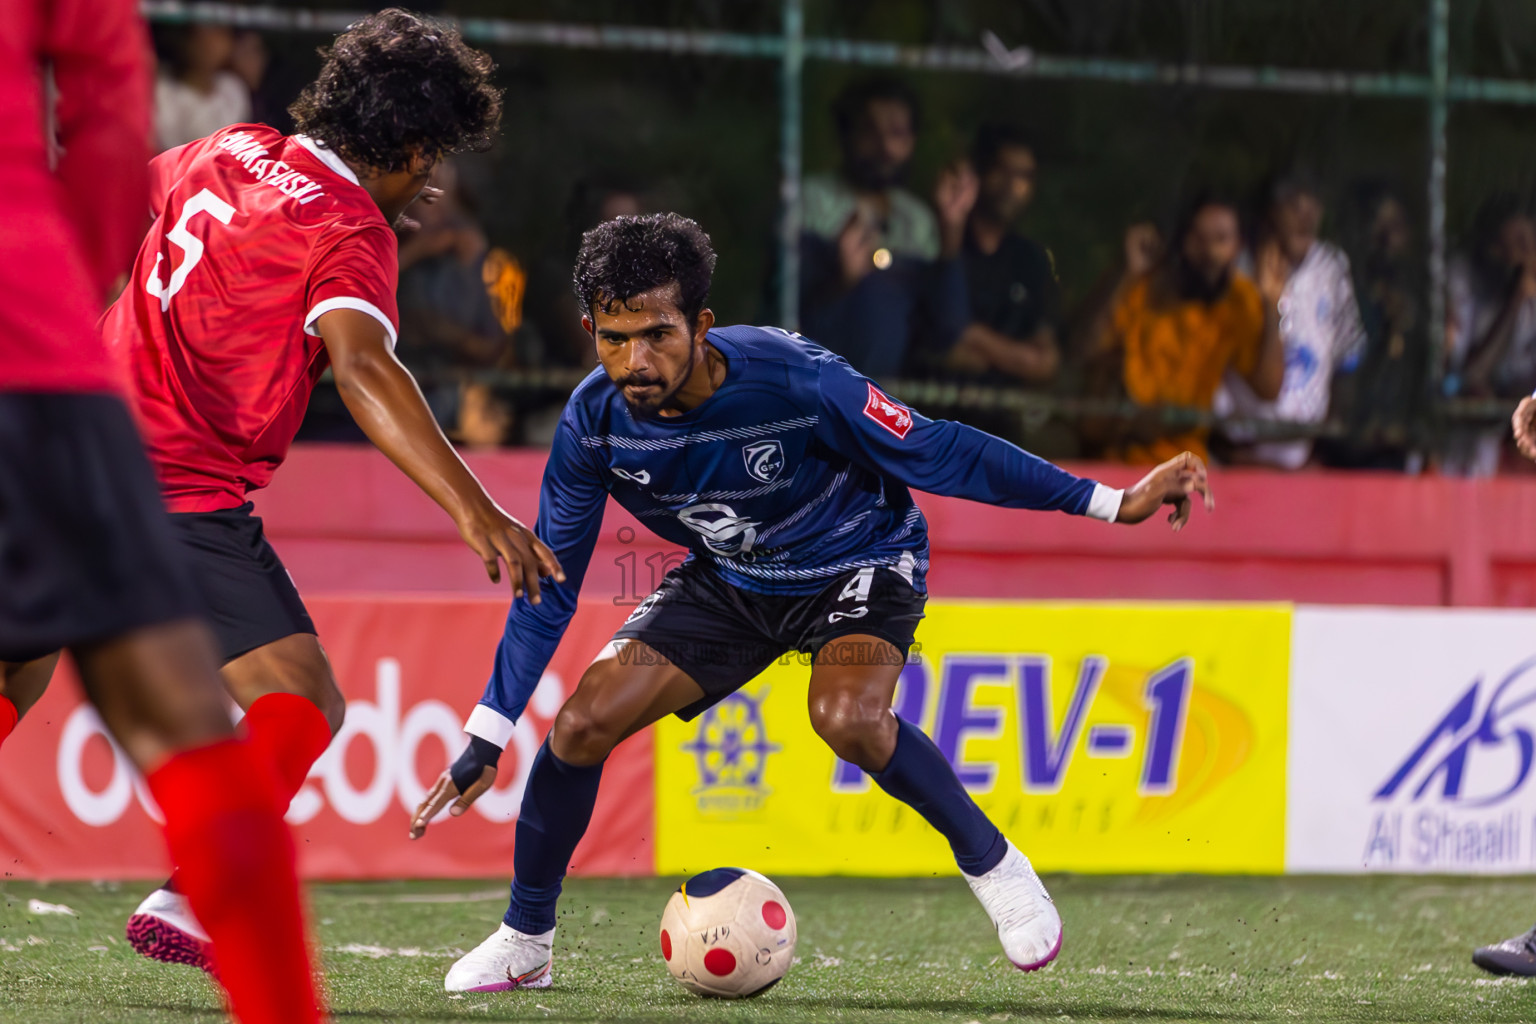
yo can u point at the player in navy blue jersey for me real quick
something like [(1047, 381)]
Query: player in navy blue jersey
[(786, 474)]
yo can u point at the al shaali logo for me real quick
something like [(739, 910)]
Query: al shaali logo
[(731, 750), (1459, 801), (1497, 723)]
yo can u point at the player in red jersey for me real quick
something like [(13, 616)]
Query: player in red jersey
[(87, 560), (272, 257)]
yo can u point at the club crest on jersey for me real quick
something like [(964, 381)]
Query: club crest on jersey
[(643, 608), (888, 412), (765, 460)]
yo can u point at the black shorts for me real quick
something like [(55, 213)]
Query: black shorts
[(85, 551), (723, 637), (248, 596)]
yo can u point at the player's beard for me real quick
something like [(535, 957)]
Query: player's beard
[(650, 408)]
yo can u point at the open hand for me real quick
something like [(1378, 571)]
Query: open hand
[(497, 537), (1273, 272), (1175, 483), (446, 792), (954, 194)]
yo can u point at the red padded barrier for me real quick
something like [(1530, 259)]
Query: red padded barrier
[(344, 519)]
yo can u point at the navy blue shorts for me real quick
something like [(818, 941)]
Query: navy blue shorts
[(723, 636)]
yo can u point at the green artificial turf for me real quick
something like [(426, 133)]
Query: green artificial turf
[(907, 950)]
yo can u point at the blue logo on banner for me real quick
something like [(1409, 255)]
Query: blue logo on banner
[(1482, 721)]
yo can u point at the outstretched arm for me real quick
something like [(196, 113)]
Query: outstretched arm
[(865, 424), (571, 504), (386, 403), (943, 457)]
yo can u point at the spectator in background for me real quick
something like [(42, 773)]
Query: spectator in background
[(1491, 308), (448, 322), (1490, 331), (446, 316), (197, 93), (552, 306), (556, 340), (1015, 300), (1176, 322), (1385, 394), (1320, 328), (249, 59), (878, 269)]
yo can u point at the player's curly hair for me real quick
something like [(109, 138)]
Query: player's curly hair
[(628, 256), (396, 84)]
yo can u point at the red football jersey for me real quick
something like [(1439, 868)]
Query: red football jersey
[(67, 232), (256, 235)]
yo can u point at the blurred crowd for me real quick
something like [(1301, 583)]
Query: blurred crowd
[(1282, 329), (1236, 329)]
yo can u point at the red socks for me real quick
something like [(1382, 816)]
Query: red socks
[(290, 733), (234, 859), (8, 718)]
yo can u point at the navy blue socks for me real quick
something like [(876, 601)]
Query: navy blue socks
[(558, 802), (920, 777), (557, 806)]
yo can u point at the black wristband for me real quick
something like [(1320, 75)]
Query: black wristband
[(480, 753)]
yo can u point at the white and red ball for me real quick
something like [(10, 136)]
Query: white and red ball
[(728, 932)]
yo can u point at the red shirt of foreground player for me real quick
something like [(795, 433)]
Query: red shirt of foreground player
[(68, 232), (256, 236)]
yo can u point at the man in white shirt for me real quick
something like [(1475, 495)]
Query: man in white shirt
[(1319, 326), (196, 93)]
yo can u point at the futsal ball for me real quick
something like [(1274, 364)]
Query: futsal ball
[(728, 933)]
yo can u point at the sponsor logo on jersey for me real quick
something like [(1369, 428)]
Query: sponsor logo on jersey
[(731, 750), (639, 476), (888, 412), (765, 459), (724, 532), (857, 612)]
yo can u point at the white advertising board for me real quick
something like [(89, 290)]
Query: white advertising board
[(1412, 740)]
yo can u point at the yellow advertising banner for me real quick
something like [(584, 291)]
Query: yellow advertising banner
[(1100, 738)]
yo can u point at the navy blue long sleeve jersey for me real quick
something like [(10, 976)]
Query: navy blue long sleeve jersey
[(794, 472)]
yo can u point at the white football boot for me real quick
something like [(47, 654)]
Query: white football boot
[(507, 960), (164, 929), (1026, 919)]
